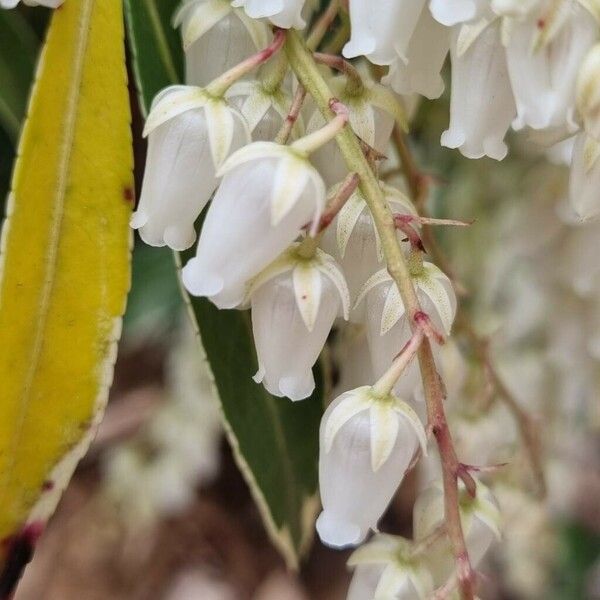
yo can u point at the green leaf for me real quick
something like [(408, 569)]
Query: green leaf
[(18, 52), (155, 47), (275, 441)]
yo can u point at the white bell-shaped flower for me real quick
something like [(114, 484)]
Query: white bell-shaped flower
[(588, 92), (388, 326), (584, 183), (480, 519), (47, 3), (384, 34), (482, 105), (216, 37), (353, 240), (544, 52), (190, 134), (367, 443), (294, 304), (373, 110), (515, 8), (420, 71), (452, 12), (282, 13), (386, 568), (268, 194)]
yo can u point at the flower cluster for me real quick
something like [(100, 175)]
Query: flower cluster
[(293, 231)]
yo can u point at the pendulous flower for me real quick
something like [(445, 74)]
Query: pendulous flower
[(190, 134), (268, 194), (294, 304), (367, 443)]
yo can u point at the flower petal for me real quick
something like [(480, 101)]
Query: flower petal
[(380, 550), (347, 219), (378, 278), (391, 581), (356, 401), (406, 411), (331, 269), (384, 433), (253, 151), (393, 309), (290, 181), (220, 125), (172, 102), (307, 290), (430, 282), (203, 17)]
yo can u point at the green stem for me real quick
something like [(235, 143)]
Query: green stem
[(310, 77)]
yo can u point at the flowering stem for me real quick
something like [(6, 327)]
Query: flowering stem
[(313, 141), (309, 75), (288, 125), (221, 84), (386, 383), (355, 83)]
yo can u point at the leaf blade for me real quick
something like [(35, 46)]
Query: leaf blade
[(65, 267)]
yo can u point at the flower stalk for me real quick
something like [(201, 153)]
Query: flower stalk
[(219, 86), (309, 76)]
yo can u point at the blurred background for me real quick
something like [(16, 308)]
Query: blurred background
[(158, 508)]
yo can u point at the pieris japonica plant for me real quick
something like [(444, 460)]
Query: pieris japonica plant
[(303, 213)]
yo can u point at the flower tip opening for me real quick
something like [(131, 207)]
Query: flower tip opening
[(337, 533)]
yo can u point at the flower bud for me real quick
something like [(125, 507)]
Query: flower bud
[(353, 240), (216, 37), (268, 194), (480, 519), (388, 328), (387, 568), (482, 104), (367, 443), (382, 35), (420, 72), (294, 304), (588, 92), (282, 13), (190, 135), (543, 63), (584, 182)]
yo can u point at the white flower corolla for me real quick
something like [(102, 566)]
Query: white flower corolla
[(294, 304), (350, 352), (367, 442), (47, 3), (190, 134), (420, 72), (388, 326), (353, 240), (373, 110), (282, 13), (268, 194), (216, 37), (588, 92), (482, 104), (543, 63), (584, 182), (480, 519), (515, 8), (384, 34), (386, 568), (264, 109), (452, 12)]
